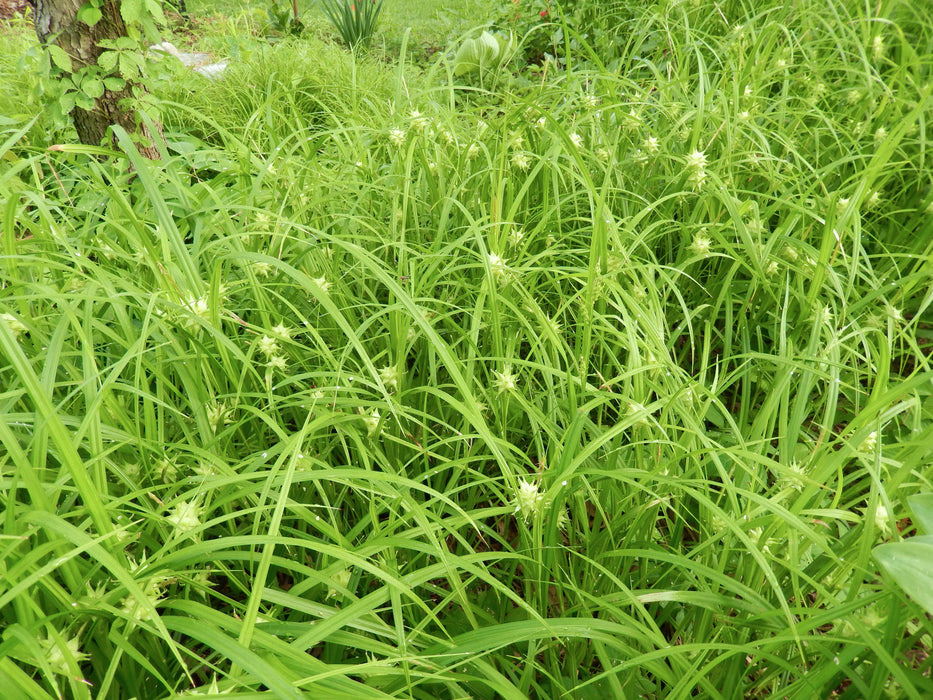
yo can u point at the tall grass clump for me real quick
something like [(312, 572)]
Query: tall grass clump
[(290, 88), (605, 386), (24, 67), (354, 21)]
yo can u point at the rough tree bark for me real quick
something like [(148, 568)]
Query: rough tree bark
[(56, 20)]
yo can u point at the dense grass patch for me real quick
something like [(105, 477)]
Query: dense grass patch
[(603, 382)]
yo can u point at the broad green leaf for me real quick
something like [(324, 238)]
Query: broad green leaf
[(84, 101), (490, 45), (506, 46), (59, 57), (475, 54), (131, 10), (92, 87), (89, 14), (108, 60), (155, 9), (910, 564), (114, 83), (67, 102), (922, 508), (129, 68)]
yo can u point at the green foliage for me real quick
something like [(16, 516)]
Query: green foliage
[(283, 20), (381, 384), (484, 53), (550, 30), (354, 20), (300, 85), (910, 562), (121, 62)]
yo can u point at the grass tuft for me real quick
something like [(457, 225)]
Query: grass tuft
[(603, 382)]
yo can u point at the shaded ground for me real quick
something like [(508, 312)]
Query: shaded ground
[(9, 8)]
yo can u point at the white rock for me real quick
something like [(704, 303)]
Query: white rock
[(166, 47)]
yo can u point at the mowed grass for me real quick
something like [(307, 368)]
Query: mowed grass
[(383, 383)]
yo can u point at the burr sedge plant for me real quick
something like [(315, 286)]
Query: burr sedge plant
[(604, 382)]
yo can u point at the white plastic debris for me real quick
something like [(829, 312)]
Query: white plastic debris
[(200, 62)]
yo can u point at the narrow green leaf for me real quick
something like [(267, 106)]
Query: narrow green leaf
[(53, 523), (47, 413), (18, 684), (259, 669)]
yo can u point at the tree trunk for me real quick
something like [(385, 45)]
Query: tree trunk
[(57, 20)]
